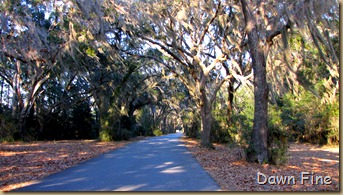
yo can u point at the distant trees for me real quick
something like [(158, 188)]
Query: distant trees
[(65, 60), (27, 57)]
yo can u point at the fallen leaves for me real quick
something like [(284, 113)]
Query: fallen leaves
[(22, 163), (233, 173)]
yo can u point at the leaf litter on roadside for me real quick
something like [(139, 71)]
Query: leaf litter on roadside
[(22, 163), (233, 173)]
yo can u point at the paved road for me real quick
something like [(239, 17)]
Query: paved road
[(155, 164)]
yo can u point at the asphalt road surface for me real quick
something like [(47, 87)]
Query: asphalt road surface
[(155, 164)]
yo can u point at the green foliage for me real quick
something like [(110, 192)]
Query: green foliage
[(292, 118), (220, 128), (123, 134), (277, 137), (54, 38), (8, 126), (307, 119), (74, 122), (145, 121), (82, 121), (112, 127), (90, 52), (242, 117), (191, 124), (219, 133), (322, 124), (7, 139), (157, 132), (105, 136), (35, 2)]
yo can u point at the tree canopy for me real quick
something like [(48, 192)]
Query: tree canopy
[(233, 71)]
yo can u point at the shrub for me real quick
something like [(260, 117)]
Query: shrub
[(191, 124), (292, 119), (307, 119), (105, 136), (242, 117), (8, 126), (122, 134), (146, 121), (277, 137), (157, 132), (240, 128), (220, 128), (322, 125)]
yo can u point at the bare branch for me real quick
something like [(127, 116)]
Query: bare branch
[(209, 24), (218, 86), (164, 49)]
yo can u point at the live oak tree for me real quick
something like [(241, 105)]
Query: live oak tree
[(185, 33), (264, 21), (258, 48), (28, 56), (42, 44)]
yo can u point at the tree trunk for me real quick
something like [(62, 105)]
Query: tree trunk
[(258, 148), (22, 122), (258, 142), (164, 125), (1, 91), (16, 100), (231, 91), (206, 120)]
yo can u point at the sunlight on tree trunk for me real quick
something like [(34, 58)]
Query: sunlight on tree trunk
[(258, 148), (206, 121)]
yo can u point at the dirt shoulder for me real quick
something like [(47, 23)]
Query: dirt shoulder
[(22, 163), (232, 173)]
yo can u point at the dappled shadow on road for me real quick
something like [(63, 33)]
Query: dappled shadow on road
[(156, 164)]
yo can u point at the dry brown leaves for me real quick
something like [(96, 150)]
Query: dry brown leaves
[(22, 163), (232, 173)]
